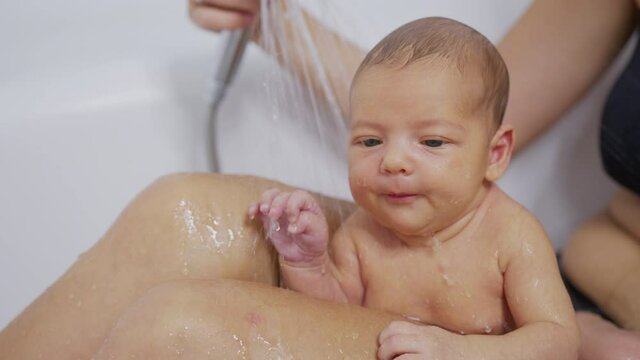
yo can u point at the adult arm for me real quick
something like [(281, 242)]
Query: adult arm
[(555, 52)]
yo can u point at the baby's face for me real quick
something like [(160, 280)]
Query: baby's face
[(417, 153)]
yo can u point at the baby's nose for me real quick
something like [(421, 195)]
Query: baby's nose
[(396, 162)]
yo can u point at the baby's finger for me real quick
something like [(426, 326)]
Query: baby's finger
[(398, 346), (296, 203), (300, 201), (253, 210), (395, 328), (266, 200), (278, 205), (303, 223)]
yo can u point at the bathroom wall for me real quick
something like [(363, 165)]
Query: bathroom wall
[(97, 99)]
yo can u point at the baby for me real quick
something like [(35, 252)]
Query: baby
[(433, 239)]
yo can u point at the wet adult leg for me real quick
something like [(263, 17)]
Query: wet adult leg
[(180, 227), (227, 319), (603, 340), (602, 259)]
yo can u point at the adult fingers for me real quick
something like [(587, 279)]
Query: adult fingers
[(219, 15), (249, 6)]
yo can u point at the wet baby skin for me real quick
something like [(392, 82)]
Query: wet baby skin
[(434, 239)]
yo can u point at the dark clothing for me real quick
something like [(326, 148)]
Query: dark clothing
[(620, 128)]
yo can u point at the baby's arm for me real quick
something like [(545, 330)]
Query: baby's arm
[(298, 230), (544, 317)]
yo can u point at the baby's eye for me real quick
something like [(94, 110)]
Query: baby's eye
[(370, 142), (434, 143)]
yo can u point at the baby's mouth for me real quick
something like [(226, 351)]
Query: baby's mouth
[(400, 197)]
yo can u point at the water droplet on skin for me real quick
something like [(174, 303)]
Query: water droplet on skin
[(447, 279), (435, 243), (274, 226), (413, 318), (528, 249)]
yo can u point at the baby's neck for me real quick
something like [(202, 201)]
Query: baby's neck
[(468, 221)]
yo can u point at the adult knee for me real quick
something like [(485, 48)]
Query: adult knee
[(195, 226), (176, 318)]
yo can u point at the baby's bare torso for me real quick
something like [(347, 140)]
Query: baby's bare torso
[(456, 284)]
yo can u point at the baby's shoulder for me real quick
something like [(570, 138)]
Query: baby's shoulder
[(517, 228), (510, 215)]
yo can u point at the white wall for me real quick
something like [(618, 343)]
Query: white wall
[(97, 99)]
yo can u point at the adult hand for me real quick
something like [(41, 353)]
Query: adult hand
[(219, 15)]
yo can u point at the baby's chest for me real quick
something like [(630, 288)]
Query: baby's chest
[(461, 296)]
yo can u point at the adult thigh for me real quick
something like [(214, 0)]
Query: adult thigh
[(233, 319), (181, 227)]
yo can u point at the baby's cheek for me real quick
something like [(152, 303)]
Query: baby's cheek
[(358, 178), (359, 183)]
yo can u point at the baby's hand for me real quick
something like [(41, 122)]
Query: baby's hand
[(422, 341), (295, 225)]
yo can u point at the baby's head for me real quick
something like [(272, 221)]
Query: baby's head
[(437, 41), (426, 125)]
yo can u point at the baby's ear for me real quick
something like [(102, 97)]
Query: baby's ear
[(500, 150)]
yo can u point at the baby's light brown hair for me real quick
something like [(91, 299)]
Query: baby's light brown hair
[(452, 41)]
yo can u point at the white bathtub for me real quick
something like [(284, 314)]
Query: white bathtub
[(97, 99)]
